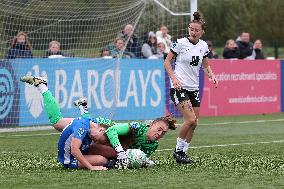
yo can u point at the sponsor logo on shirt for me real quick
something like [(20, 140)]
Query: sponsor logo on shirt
[(81, 132), (134, 125)]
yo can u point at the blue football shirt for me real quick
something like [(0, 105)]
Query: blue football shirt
[(79, 128)]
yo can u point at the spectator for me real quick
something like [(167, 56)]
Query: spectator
[(54, 50), (119, 51), (258, 49), (231, 50), (133, 43), (150, 48), (161, 49), (20, 47), (245, 46), (105, 53), (163, 36), (212, 54)]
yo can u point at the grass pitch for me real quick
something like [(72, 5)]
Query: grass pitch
[(231, 152)]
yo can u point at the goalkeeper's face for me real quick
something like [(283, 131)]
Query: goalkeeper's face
[(157, 130)]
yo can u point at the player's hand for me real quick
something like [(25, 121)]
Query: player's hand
[(215, 81), (98, 168), (177, 84), (149, 163), (122, 160)]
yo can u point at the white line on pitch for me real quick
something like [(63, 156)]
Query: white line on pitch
[(38, 128), (226, 145), (243, 122), (46, 134)]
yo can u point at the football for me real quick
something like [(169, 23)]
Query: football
[(136, 158)]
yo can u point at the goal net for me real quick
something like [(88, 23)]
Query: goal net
[(77, 46)]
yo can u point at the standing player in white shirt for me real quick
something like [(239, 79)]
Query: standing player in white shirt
[(190, 54)]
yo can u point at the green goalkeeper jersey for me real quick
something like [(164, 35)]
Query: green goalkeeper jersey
[(140, 140), (100, 120)]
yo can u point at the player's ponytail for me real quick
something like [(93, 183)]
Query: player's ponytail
[(170, 120), (198, 18)]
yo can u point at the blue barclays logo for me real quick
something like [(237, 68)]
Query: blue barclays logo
[(134, 125), (6, 92), (9, 95)]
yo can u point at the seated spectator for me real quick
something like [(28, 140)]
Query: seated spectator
[(163, 36), (54, 50), (119, 50), (20, 47), (231, 50), (245, 46), (133, 43), (105, 53), (212, 54), (161, 50), (150, 48), (258, 49)]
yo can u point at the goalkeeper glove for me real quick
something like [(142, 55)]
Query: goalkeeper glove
[(149, 163), (122, 160)]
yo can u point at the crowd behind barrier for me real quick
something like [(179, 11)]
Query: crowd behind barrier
[(154, 45)]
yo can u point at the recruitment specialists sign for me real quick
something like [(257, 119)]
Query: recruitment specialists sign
[(245, 87)]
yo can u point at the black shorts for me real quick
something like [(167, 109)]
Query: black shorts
[(183, 95)]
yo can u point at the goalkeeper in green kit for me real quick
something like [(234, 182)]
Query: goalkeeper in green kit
[(121, 136), (137, 135)]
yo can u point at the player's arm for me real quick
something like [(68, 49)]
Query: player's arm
[(75, 151), (208, 71), (167, 64), (113, 132), (79, 133), (116, 130)]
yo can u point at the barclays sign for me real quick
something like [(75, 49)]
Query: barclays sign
[(132, 89)]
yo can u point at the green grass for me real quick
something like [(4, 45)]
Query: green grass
[(28, 159)]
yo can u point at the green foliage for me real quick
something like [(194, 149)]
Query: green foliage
[(227, 19)]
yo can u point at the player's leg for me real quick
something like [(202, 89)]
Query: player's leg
[(191, 131), (186, 129), (194, 99), (182, 100), (193, 126), (82, 104), (95, 160), (51, 106), (104, 150)]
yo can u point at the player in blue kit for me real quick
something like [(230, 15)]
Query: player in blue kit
[(74, 145), (119, 136)]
